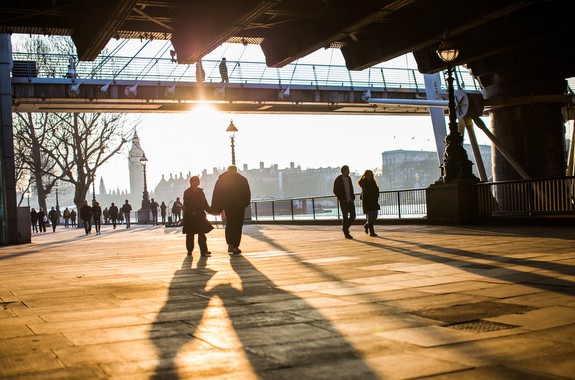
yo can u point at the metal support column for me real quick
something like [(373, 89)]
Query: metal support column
[(8, 203)]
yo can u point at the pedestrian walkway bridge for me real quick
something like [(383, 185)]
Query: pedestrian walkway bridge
[(43, 82)]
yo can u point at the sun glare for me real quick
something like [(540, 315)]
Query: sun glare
[(203, 112)]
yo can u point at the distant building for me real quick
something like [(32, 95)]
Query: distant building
[(408, 169)]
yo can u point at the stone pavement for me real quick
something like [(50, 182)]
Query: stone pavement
[(301, 302)]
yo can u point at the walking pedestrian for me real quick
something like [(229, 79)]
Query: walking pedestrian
[(66, 216), (232, 194), (200, 73), (86, 216), (177, 210), (97, 216), (73, 217), (195, 221), (113, 211), (154, 208), (369, 200), (126, 209), (34, 219), (163, 209), (53, 216), (224, 71), (42, 220), (343, 190)]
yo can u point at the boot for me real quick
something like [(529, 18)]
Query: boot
[(366, 226), (371, 230)]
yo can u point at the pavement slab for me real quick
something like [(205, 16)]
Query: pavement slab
[(440, 302)]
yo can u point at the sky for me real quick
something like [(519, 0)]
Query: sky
[(194, 141)]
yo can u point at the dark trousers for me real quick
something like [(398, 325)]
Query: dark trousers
[(87, 225), (234, 225), (201, 242), (348, 215), (114, 222), (97, 224)]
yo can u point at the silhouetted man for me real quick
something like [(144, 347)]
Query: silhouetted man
[(343, 190), (232, 195), (127, 209), (224, 71)]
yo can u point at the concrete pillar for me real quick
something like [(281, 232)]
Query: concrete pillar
[(533, 133), (8, 209)]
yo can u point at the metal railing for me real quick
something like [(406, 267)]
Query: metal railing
[(113, 67), (526, 197), (394, 204)]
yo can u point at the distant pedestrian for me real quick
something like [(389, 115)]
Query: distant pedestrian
[(97, 216), (195, 221), (53, 216), (343, 190), (113, 211), (106, 215), (200, 73), (369, 200), (126, 209), (177, 210), (120, 217), (232, 195), (66, 216), (42, 220), (86, 216), (73, 217), (224, 71), (163, 209), (34, 219), (154, 208)]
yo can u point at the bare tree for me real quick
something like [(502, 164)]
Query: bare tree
[(34, 168), (82, 143)]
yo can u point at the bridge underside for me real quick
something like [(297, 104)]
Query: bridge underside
[(53, 95)]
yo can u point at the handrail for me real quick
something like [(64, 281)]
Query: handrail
[(133, 68), (526, 197), (409, 203)]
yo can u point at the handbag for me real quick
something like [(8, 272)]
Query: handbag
[(44, 218)]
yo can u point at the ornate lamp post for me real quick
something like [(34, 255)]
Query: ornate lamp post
[(146, 196), (57, 200), (232, 130), (93, 188), (456, 165)]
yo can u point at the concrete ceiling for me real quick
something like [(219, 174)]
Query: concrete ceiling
[(495, 37)]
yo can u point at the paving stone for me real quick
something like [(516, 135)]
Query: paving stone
[(32, 343), (492, 373), (12, 365), (540, 319)]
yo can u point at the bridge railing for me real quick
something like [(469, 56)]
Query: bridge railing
[(395, 204), (246, 72), (526, 197)]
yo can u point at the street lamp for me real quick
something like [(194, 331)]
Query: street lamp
[(57, 200), (456, 165), (93, 188), (232, 130), (146, 197)]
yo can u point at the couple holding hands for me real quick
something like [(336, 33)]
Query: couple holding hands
[(231, 195)]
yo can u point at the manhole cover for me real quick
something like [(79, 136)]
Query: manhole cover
[(481, 326), (472, 311)]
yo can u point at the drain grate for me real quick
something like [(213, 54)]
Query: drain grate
[(472, 311), (481, 326)]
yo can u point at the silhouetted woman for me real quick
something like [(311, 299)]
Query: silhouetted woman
[(369, 200), (195, 221)]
